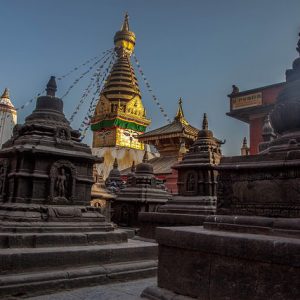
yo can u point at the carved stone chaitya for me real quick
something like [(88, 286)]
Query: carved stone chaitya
[(197, 186), (50, 236), (250, 248), (143, 193)]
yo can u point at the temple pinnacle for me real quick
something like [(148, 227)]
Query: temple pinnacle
[(124, 39), (115, 165), (205, 122), (125, 25), (5, 94), (179, 114), (51, 87)]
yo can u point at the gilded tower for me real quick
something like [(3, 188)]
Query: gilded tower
[(120, 115)]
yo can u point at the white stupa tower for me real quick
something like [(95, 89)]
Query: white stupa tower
[(8, 117)]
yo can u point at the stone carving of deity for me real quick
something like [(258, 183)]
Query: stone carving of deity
[(61, 183), (191, 183)]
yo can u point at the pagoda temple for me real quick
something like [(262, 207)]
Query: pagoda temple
[(171, 141), (8, 117), (120, 116)]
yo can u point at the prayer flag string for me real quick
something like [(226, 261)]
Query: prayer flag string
[(150, 90)]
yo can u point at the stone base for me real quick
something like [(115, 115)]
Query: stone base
[(45, 248), (150, 221), (181, 211), (253, 258), (76, 267), (192, 205)]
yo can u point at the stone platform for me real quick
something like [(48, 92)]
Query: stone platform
[(255, 258), (24, 271)]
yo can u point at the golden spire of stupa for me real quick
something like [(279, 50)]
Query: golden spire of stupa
[(120, 109), (124, 39)]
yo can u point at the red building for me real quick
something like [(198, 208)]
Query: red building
[(251, 107)]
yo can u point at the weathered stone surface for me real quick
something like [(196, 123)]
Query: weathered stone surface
[(197, 186), (252, 251), (203, 264), (143, 193), (50, 237)]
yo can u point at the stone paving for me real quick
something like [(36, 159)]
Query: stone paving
[(118, 291)]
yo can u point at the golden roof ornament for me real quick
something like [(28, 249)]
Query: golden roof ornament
[(180, 115), (124, 39)]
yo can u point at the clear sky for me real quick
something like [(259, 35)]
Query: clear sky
[(192, 49)]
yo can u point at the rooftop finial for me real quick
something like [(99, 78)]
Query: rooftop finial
[(298, 45), (115, 165), (235, 89), (205, 122), (5, 94), (51, 87), (179, 114), (125, 25), (145, 158), (245, 144)]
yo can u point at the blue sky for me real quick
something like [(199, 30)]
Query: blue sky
[(191, 49)]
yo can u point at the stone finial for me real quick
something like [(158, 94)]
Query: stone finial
[(115, 165), (245, 142), (51, 87), (146, 157), (133, 167), (5, 94), (205, 122)]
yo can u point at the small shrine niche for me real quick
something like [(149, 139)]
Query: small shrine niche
[(191, 183), (62, 182)]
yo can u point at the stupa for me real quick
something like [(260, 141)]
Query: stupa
[(143, 193), (197, 186), (250, 249), (8, 117), (120, 116), (50, 236)]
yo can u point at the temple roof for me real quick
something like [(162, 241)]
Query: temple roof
[(179, 127)]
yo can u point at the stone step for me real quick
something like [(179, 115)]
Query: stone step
[(32, 259), (191, 209), (38, 240), (15, 286)]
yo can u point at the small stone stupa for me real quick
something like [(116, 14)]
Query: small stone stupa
[(50, 236), (197, 186), (143, 193)]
